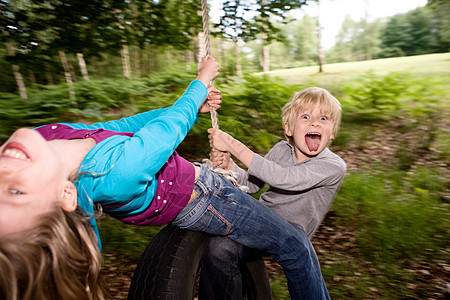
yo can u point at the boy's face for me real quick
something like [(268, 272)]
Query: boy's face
[(31, 182), (311, 132)]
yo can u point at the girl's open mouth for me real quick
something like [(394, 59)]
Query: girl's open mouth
[(15, 150)]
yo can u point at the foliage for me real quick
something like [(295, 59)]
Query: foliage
[(395, 204), (383, 96), (409, 34), (420, 31), (238, 24), (250, 111), (397, 216), (51, 104), (115, 235)]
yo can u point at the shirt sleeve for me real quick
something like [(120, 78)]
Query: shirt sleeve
[(133, 124), (253, 183), (299, 177), (132, 164)]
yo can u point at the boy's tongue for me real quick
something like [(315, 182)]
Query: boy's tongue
[(313, 141)]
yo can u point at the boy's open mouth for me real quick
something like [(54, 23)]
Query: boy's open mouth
[(313, 140)]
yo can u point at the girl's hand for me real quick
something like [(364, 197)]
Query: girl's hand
[(208, 69), (213, 100), (222, 160)]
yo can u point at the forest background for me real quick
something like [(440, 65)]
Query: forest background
[(386, 236)]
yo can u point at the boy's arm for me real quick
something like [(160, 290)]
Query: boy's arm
[(222, 141), (302, 176), (313, 173)]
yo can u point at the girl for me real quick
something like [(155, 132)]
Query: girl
[(51, 178)]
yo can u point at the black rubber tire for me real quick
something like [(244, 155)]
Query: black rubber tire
[(169, 265)]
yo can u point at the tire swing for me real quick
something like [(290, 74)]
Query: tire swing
[(169, 266)]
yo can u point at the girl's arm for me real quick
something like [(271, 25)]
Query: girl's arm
[(208, 70), (130, 164)]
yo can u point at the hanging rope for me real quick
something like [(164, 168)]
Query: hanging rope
[(205, 19), (231, 176)]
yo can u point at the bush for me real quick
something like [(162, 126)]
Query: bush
[(395, 215)]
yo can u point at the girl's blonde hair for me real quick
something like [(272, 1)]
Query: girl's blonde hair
[(58, 259), (308, 99)]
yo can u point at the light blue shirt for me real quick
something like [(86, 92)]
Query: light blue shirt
[(120, 171)]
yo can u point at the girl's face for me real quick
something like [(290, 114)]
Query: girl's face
[(31, 181), (311, 131)]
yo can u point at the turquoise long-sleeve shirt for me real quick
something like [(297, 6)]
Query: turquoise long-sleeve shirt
[(120, 171)]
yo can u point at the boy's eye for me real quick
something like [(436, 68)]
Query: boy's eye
[(305, 117), (15, 192), (323, 118)]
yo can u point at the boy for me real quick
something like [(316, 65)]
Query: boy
[(303, 174)]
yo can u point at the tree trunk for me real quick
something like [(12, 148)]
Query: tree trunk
[(126, 61), (238, 59), (48, 74), (135, 61), (138, 62), (266, 54), (222, 52), (16, 69), (168, 61), (201, 47), (72, 71), (20, 82), (189, 58), (321, 55), (67, 73), (32, 79), (83, 67)]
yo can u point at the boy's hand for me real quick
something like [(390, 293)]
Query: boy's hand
[(220, 140), (208, 69), (224, 142), (214, 100), (222, 160)]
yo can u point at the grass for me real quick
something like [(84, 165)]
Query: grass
[(421, 64), (387, 237)]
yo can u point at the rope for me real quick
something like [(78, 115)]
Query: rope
[(231, 176), (205, 20)]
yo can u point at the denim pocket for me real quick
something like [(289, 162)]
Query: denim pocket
[(218, 222)]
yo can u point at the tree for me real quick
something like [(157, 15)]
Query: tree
[(345, 39), (441, 11), (422, 31), (302, 39), (244, 20), (412, 33), (366, 39)]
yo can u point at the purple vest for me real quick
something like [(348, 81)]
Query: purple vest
[(175, 179)]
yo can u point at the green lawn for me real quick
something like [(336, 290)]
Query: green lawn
[(421, 64)]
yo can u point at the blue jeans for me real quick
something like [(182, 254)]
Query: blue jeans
[(221, 277), (223, 209)]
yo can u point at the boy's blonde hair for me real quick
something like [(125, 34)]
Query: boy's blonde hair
[(308, 99), (58, 259)]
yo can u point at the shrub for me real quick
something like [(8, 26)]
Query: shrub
[(396, 215)]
